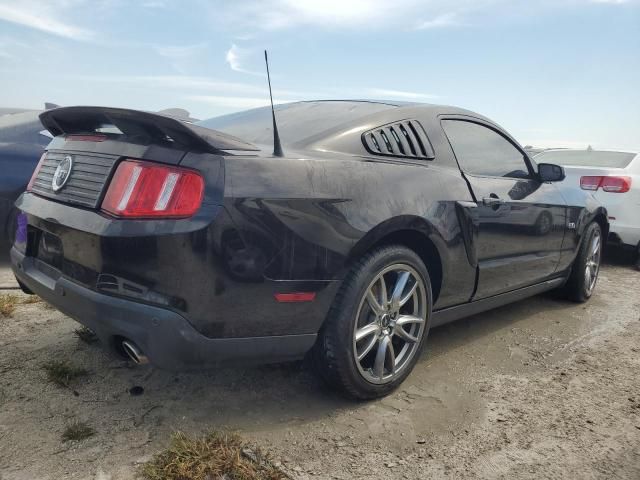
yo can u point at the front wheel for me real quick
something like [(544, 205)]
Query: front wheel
[(377, 325), (586, 267)]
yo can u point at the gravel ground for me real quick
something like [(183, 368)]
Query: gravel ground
[(539, 389)]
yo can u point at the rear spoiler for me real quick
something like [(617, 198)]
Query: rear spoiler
[(132, 123)]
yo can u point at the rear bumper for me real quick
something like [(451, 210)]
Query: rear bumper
[(625, 235), (166, 337), (198, 268)]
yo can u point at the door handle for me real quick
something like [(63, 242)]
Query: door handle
[(492, 201)]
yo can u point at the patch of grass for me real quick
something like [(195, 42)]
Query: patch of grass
[(86, 335), (62, 373), (31, 299), (8, 304), (212, 456), (77, 431)]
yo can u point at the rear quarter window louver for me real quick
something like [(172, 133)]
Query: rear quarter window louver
[(404, 139)]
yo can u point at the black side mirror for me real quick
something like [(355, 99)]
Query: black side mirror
[(548, 172)]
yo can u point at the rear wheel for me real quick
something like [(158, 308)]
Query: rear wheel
[(586, 267), (377, 324)]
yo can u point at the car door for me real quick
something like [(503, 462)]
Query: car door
[(520, 220)]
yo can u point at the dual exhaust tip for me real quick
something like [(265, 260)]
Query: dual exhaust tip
[(134, 353)]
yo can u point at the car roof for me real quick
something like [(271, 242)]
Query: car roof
[(430, 107), (392, 103), (304, 122)]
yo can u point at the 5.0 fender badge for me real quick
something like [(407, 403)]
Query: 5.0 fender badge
[(62, 173)]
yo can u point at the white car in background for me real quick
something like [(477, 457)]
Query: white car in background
[(614, 178)]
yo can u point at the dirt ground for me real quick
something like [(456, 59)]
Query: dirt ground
[(539, 389)]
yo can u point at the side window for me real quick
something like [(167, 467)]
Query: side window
[(482, 151)]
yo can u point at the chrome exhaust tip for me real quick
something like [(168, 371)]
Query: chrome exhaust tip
[(134, 353)]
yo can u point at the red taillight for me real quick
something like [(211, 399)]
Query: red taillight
[(608, 184), (590, 183), (35, 172), (616, 184), (149, 190)]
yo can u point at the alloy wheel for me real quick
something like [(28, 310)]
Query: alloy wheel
[(593, 263), (390, 323)]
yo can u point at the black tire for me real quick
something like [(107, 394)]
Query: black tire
[(576, 288), (333, 355)]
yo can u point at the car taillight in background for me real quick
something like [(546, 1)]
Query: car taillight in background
[(35, 172), (150, 190), (608, 184)]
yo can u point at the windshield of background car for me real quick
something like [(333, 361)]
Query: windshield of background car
[(296, 121), (586, 158)]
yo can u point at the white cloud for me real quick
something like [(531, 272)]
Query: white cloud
[(280, 14), (236, 56), (345, 14), (43, 16), (329, 12), (233, 58), (253, 15)]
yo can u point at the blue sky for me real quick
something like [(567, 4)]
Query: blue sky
[(553, 72)]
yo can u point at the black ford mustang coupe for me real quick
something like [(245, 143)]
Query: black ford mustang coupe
[(189, 245)]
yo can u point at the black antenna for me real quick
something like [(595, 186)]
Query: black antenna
[(277, 147)]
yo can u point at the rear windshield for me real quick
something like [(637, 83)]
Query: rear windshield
[(586, 158), (296, 121)]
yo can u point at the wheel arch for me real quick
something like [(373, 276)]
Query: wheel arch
[(412, 232), (598, 215), (603, 220)]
